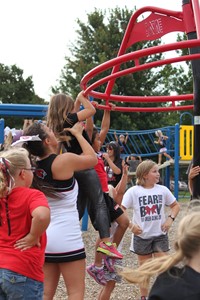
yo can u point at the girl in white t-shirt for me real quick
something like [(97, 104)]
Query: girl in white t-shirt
[(149, 224)]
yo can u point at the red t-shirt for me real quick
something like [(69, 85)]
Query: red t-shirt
[(21, 202), (99, 168)]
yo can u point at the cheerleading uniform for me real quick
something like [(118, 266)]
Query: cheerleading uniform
[(64, 237)]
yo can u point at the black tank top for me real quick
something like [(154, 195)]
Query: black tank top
[(73, 145), (44, 172)]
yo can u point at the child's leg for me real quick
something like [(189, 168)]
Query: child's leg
[(167, 155), (107, 290), (123, 223), (141, 260), (90, 191), (98, 255), (96, 270)]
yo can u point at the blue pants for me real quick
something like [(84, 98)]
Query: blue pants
[(14, 286)]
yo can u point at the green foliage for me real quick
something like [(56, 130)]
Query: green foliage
[(15, 89), (99, 40)]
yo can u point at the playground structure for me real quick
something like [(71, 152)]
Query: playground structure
[(141, 142), (160, 22), (179, 144), (156, 25)]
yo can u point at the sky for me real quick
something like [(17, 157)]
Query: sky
[(35, 34)]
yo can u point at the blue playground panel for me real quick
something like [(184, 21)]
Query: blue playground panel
[(23, 110)]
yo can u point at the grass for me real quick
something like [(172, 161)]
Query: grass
[(184, 196)]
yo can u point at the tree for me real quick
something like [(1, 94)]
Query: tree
[(99, 41), (15, 89)]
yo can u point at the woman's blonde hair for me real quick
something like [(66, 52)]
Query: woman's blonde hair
[(186, 245), (11, 161), (143, 169), (60, 106)]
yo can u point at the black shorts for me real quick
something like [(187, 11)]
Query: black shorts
[(65, 257), (114, 209)]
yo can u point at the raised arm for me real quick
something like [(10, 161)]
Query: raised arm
[(120, 189), (89, 125), (115, 136), (105, 123), (88, 109), (126, 138)]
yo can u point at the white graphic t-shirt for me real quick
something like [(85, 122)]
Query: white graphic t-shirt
[(148, 208)]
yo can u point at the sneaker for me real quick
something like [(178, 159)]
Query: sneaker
[(96, 274), (112, 264), (109, 263), (112, 276), (110, 250)]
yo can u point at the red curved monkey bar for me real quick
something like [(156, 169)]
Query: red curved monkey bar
[(157, 24)]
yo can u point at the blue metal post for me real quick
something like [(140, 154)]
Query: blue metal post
[(84, 226), (2, 131)]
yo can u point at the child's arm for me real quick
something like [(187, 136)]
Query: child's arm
[(105, 124), (115, 136), (40, 222), (87, 111), (175, 208), (121, 187), (111, 164), (134, 228), (126, 138), (89, 125)]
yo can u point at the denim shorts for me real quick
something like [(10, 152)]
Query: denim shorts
[(16, 286), (152, 245)]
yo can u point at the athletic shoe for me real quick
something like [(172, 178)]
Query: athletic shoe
[(109, 249), (109, 263), (96, 274), (114, 276)]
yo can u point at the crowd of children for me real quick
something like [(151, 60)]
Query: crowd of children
[(72, 174)]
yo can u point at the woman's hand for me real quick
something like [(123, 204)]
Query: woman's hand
[(76, 129)]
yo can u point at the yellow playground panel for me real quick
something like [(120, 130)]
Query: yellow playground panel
[(186, 142)]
